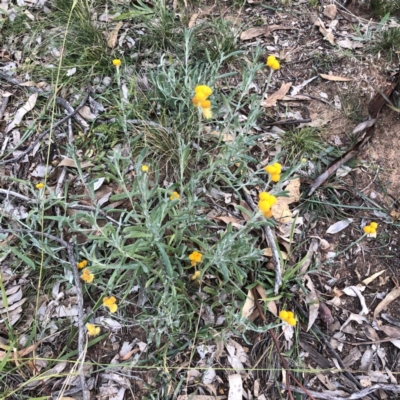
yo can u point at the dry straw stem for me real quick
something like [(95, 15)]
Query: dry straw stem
[(79, 295)]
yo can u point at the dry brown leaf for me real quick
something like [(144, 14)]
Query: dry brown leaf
[(193, 19), (395, 214), (367, 281), (69, 162), (391, 331), (330, 11), (278, 95), (271, 304), (280, 210), (327, 34), (230, 220), (312, 301), (226, 137), (268, 253), (335, 78), (249, 306), (262, 30), (393, 295), (86, 113), (245, 216), (28, 106), (325, 314), (112, 38)]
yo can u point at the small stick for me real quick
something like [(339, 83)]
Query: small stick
[(44, 133), (271, 243), (79, 295)]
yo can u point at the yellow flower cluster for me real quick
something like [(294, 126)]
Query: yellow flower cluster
[(266, 202), (82, 264), (195, 258), (288, 317), (195, 276), (116, 62), (174, 196), (200, 100), (273, 63), (275, 171), (145, 168), (39, 185), (93, 330), (371, 228), (87, 276), (111, 303)]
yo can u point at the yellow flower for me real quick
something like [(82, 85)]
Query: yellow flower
[(207, 113), (82, 264), (87, 276), (110, 302), (116, 62), (39, 185), (92, 329), (371, 228), (275, 171), (205, 104), (266, 202), (195, 276), (204, 89), (145, 168), (288, 317), (304, 160), (174, 196), (195, 258), (273, 63)]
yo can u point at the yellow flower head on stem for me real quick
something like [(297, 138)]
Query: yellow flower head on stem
[(371, 228), (275, 171), (195, 258), (174, 196), (195, 276), (93, 330), (82, 264), (116, 62), (39, 185), (288, 317), (273, 63), (207, 113), (111, 303), (145, 168), (87, 276), (266, 202), (204, 89)]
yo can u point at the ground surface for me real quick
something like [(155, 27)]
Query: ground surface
[(177, 334)]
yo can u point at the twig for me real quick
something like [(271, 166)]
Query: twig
[(330, 348), (3, 106), (44, 133), (354, 396), (288, 122), (278, 349), (17, 195), (79, 295), (59, 100), (271, 243)]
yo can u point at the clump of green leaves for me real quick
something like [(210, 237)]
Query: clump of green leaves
[(382, 7), (387, 42)]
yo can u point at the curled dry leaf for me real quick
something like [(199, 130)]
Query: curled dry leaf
[(312, 301), (112, 39), (280, 210), (326, 32), (325, 314), (335, 78), (28, 106), (262, 31), (330, 11), (393, 295), (278, 95), (339, 226)]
